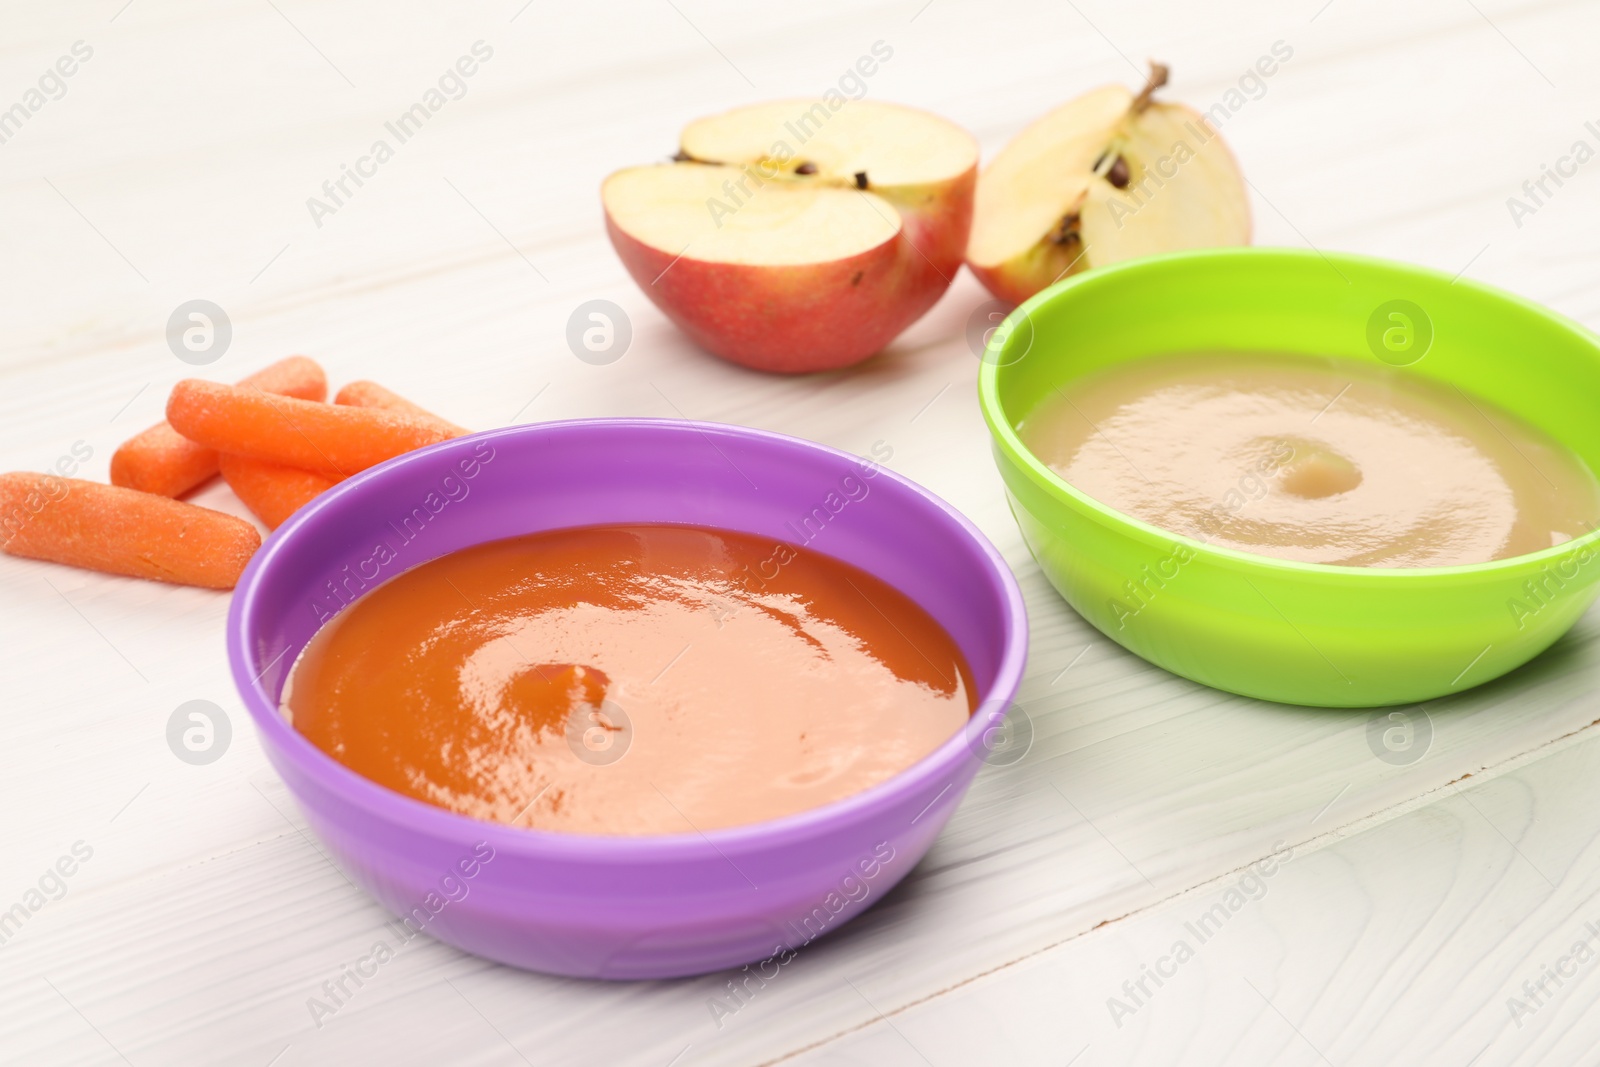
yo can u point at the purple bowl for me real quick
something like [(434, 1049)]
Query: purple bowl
[(624, 907)]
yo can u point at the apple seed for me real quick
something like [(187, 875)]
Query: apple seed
[(1067, 232), (1119, 174)]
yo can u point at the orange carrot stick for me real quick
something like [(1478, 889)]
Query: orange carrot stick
[(160, 460), (272, 491), (365, 394), (122, 531), (328, 438)]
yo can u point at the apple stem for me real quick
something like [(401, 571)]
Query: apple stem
[(1158, 78)]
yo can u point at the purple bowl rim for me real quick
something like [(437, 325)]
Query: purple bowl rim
[(422, 817)]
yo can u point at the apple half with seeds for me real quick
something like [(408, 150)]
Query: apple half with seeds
[(1109, 176), (796, 237)]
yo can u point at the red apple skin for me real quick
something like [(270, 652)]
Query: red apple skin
[(814, 316)]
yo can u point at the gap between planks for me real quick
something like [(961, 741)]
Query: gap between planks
[(1314, 843)]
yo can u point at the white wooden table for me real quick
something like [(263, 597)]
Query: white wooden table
[(1410, 898)]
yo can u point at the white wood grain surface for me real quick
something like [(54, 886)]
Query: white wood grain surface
[(1419, 896)]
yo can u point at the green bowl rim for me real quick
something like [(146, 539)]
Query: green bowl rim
[(1005, 436)]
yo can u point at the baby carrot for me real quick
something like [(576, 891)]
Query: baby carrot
[(160, 460), (122, 531), (332, 439), (366, 394), (271, 491)]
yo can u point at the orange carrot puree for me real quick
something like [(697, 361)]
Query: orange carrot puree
[(630, 680)]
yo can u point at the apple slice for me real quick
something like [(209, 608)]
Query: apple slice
[(1106, 177), (794, 236)]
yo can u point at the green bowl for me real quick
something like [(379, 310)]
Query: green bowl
[(1296, 632)]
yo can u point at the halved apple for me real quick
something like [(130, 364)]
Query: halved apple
[(794, 236), (1106, 177)]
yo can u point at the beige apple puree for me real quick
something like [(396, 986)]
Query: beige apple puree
[(1313, 459)]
